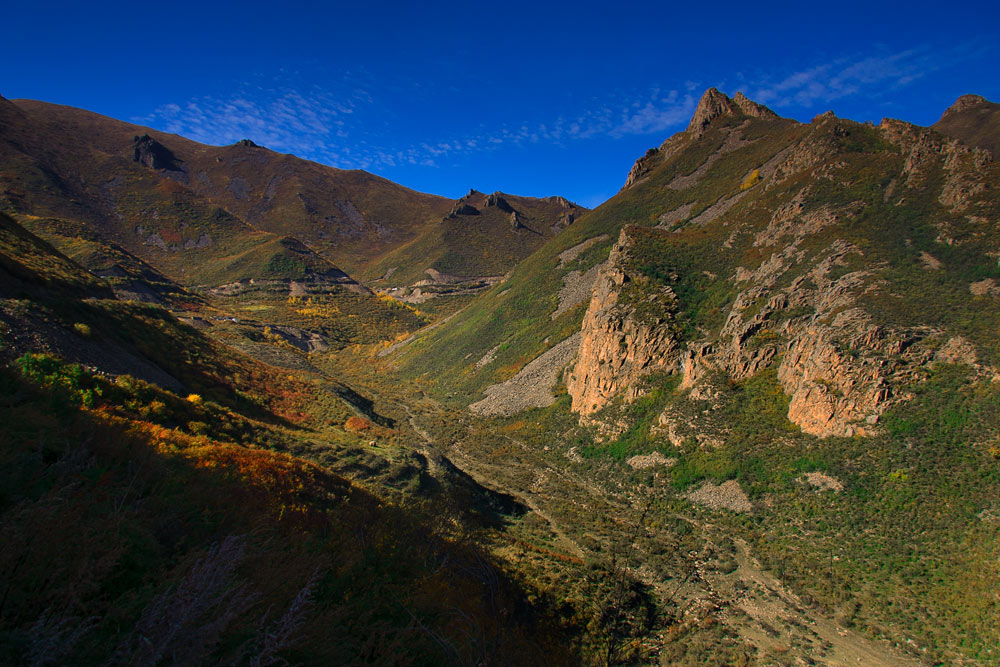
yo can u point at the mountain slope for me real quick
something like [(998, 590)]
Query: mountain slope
[(348, 216), (352, 218), (974, 120), (794, 326)]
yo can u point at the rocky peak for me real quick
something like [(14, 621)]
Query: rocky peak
[(965, 102), (246, 143), (751, 108), (714, 104)]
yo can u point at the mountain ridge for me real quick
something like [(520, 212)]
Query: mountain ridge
[(743, 412)]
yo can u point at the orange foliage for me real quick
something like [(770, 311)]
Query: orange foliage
[(357, 424)]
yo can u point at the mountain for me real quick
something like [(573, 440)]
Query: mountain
[(159, 195), (744, 412), (974, 120), (785, 330), (147, 516), (347, 216)]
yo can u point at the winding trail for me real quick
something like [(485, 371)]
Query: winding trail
[(758, 607)]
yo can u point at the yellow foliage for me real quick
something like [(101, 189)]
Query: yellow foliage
[(195, 399), (396, 303), (751, 180)]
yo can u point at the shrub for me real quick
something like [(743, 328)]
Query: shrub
[(357, 424), (82, 329), (751, 180)]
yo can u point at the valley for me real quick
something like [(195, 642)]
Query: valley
[(744, 412)]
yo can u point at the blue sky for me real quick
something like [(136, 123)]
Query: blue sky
[(535, 98)]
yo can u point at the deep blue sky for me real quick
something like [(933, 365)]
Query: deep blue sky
[(532, 98)]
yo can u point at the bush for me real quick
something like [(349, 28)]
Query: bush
[(357, 424)]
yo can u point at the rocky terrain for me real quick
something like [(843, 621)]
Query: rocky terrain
[(744, 412), (774, 307)]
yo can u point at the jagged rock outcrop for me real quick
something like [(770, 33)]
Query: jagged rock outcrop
[(496, 199), (566, 220), (641, 167), (463, 209), (714, 104), (833, 361), (924, 149), (149, 152), (811, 276), (620, 342), (751, 108)]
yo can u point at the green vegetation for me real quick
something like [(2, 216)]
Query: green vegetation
[(269, 459), (114, 528)]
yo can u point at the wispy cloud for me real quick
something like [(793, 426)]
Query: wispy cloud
[(333, 125), (309, 123), (348, 123), (847, 76)]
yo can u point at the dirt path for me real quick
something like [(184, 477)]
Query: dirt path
[(480, 473), (782, 605), (757, 606)]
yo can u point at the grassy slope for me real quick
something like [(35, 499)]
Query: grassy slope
[(115, 525), (351, 217), (898, 549), (126, 509), (515, 313)]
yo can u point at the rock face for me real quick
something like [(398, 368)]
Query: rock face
[(806, 289), (149, 152), (714, 104), (641, 167), (496, 199), (463, 209), (619, 345)]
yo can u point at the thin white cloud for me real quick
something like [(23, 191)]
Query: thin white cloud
[(282, 119), (333, 125), (848, 76)]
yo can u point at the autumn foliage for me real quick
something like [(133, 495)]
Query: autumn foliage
[(127, 538), (358, 424)]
